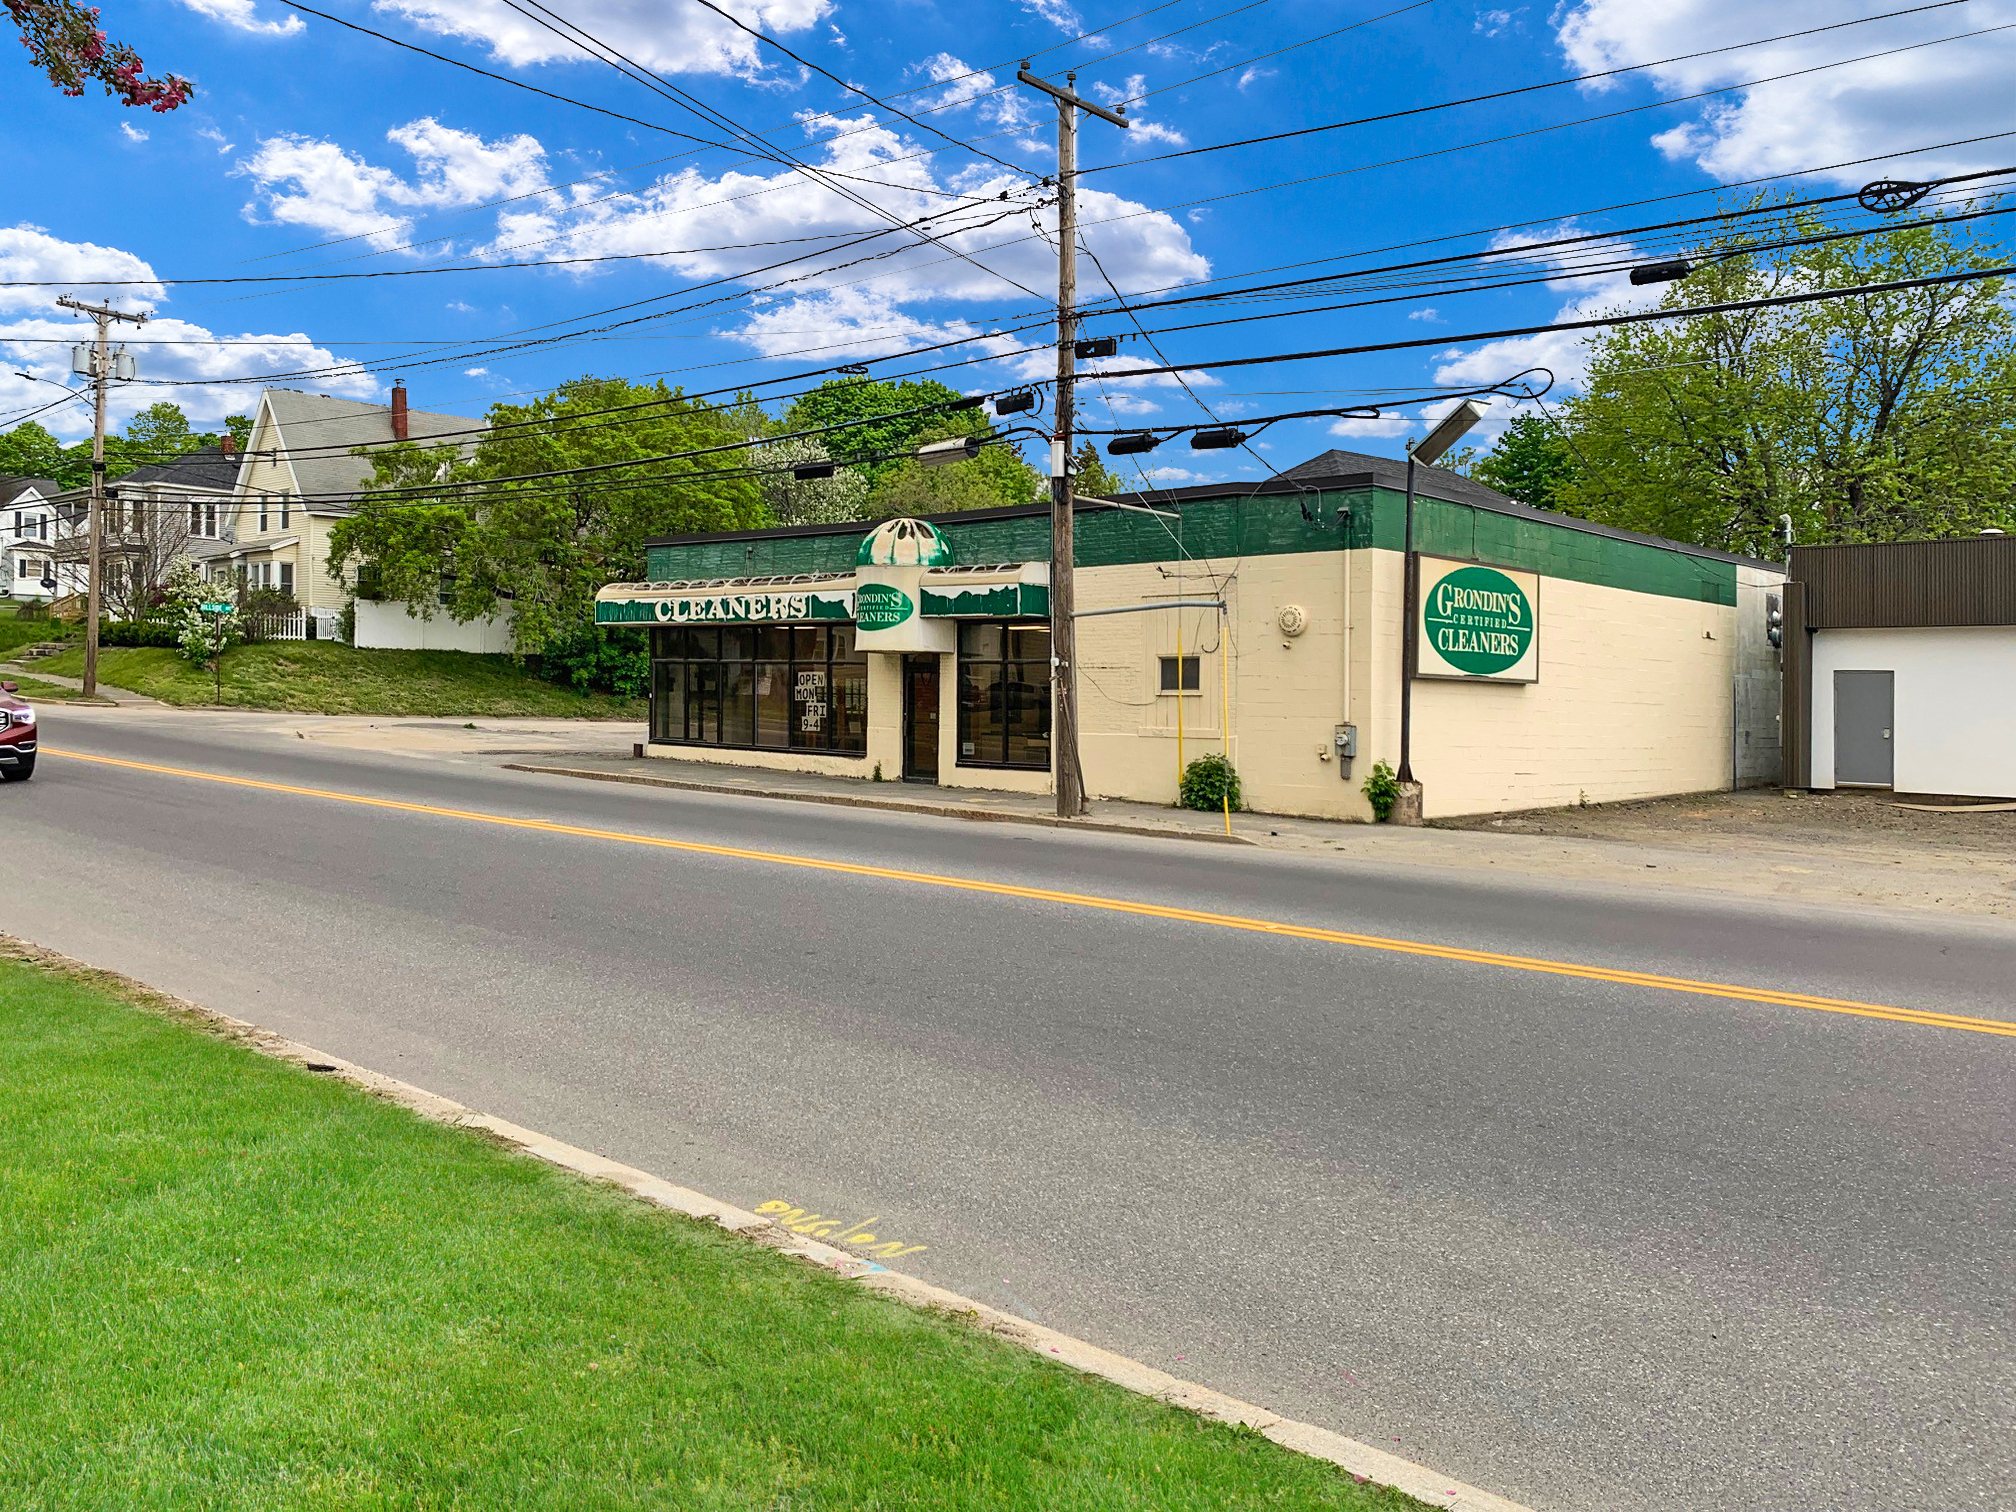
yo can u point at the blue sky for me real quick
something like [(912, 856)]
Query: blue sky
[(312, 147)]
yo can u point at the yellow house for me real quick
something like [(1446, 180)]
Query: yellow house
[(300, 477), (1559, 660)]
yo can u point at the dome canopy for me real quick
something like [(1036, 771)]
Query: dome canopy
[(904, 543)]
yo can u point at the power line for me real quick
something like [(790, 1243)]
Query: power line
[(1526, 89)]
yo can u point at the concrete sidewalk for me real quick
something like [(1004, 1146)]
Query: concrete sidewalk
[(111, 695)]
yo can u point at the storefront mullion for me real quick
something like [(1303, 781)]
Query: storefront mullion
[(1004, 695), (771, 687)]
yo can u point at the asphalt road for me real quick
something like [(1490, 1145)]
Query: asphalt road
[(1587, 1244)]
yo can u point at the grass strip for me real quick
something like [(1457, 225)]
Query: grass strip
[(33, 688), (226, 1283), (324, 677)]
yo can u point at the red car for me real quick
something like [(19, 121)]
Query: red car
[(17, 735)]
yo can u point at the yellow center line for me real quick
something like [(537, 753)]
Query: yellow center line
[(1614, 975)]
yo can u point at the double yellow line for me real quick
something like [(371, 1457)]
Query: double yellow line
[(1612, 975)]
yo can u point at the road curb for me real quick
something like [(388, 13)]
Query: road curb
[(1359, 1459), (892, 805)]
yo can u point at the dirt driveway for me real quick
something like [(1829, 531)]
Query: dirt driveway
[(1828, 847)]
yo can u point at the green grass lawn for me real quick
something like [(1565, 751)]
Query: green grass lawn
[(323, 677), (226, 1283), (16, 632)]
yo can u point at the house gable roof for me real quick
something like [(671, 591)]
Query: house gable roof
[(208, 469), (12, 489), (316, 433)]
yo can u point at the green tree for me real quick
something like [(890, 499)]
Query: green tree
[(1874, 418), (240, 427), (162, 428), (544, 545), (29, 451), (997, 477), (1531, 462), (1089, 474), (839, 400)]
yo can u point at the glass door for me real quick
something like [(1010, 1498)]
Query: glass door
[(920, 719)]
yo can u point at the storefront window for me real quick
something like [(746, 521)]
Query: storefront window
[(770, 687), (1004, 695)]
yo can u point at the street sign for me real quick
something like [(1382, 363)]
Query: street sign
[(215, 608)]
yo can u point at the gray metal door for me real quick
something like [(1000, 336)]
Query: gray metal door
[(1862, 743)]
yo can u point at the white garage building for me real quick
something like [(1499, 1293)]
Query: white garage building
[(1900, 667)]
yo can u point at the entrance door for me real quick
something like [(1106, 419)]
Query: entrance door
[(1862, 726), (920, 719)]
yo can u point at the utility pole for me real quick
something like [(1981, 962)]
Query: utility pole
[(101, 375), (1070, 782)]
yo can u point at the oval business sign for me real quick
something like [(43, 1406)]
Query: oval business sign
[(877, 606), (1478, 620)]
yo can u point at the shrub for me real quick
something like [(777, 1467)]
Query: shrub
[(1210, 783), (598, 661), (1382, 791), (151, 631)]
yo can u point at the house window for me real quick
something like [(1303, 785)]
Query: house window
[(42, 527), (20, 526), (286, 501), (1004, 695), (262, 514), (286, 577), (768, 687), (210, 517), (1183, 678)]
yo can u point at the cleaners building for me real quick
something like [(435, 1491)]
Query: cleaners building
[(1559, 661)]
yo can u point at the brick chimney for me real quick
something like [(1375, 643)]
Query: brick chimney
[(399, 410), (228, 444)]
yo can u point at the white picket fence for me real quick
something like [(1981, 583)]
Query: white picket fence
[(281, 626)]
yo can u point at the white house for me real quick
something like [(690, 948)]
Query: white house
[(33, 525)]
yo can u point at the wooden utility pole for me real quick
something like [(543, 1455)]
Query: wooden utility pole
[(101, 375), (1070, 772)]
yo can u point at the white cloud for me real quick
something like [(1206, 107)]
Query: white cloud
[(463, 309), (1491, 22), (35, 334), (131, 132), (1135, 88), (679, 38), (737, 211), (238, 14), (1254, 76), (1564, 353), (1933, 94), (476, 372), (1057, 13), (211, 133), (1427, 313), (337, 191)]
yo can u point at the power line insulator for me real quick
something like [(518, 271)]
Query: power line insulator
[(1097, 346), (1015, 404), (1132, 446), (1221, 439), (1662, 272)]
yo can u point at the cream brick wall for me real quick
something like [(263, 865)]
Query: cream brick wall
[(1635, 699), (1636, 695), (1287, 695)]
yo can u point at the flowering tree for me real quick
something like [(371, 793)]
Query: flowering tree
[(63, 40), (201, 636)]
